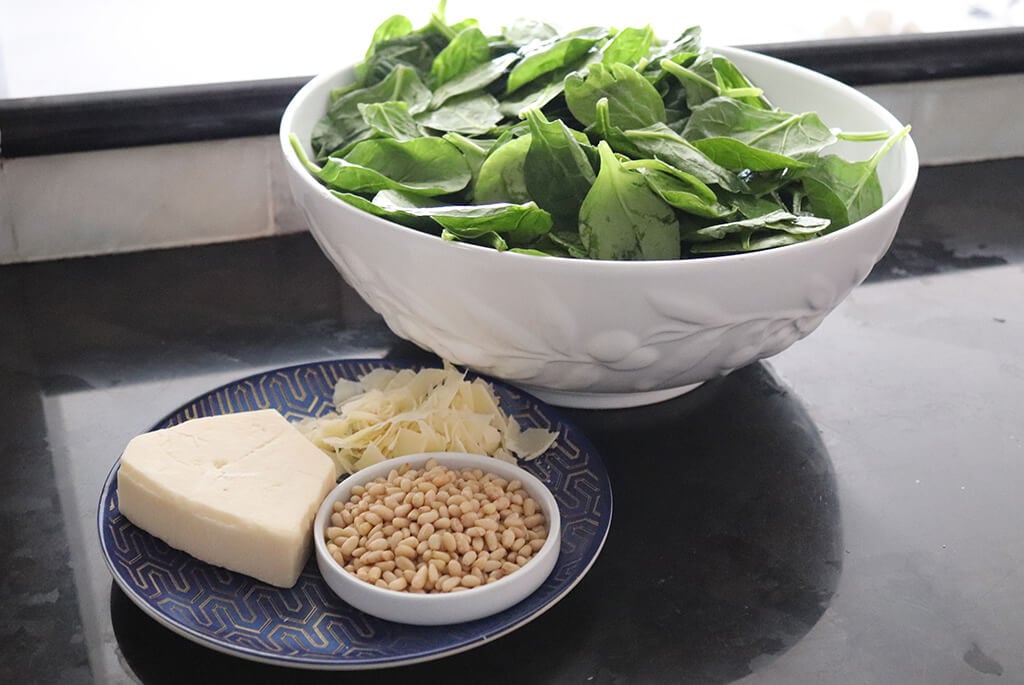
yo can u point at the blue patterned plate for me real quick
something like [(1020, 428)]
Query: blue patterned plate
[(307, 626)]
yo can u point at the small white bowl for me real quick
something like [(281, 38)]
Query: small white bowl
[(441, 608)]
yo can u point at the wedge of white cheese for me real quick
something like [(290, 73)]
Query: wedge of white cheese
[(237, 490)]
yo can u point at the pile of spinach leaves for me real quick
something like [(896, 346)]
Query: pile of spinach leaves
[(594, 144)]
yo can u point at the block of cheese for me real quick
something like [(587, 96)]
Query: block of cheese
[(237, 490)]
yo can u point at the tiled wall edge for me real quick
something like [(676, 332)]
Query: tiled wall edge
[(131, 199)]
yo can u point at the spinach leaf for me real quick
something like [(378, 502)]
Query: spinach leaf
[(632, 101), (737, 156), (629, 46), (502, 176), (475, 236), (753, 206), (471, 114), (344, 121), (661, 142), (467, 50), (518, 223), (729, 77), (622, 218), (791, 135), (397, 215), (557, 170), (537, 96), (475, 79), (543, 90), (779, 220), (391, 119), (569, 241), (680, 189), (701, 87), (395, 26), (844, 191), (748, 241), (416, 50), (681, 50), (425, 166), (541, 58), (474, 150), (613, 135), (525, 31)]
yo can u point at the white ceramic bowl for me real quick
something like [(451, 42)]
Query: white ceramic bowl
[(440, 609), (590, 333)]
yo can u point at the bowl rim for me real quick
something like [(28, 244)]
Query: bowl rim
[(424, 601), (899, 198)]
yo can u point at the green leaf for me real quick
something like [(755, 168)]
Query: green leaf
[(661, 142), (425, 166), (397, 215), (843, 191), (629, 46), (475, 79), (752, 206), (680, 189), (632, 101), (502, 176), (537, 96), (748, 242), (737, 156), (732, 80), (542, 58), (701, 81), (393, 27), (681, 50), (778, 220), (474, 150), (557, 170), (797, 136), (613, 135), (622, 218), (471, 114), (415, 50), (525, 31), (519, 224), (391, 120), (475, 236), (467, 50), (344, 122)]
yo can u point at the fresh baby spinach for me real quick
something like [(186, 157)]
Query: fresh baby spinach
[(622, 218), (632, 101), (598, 143)]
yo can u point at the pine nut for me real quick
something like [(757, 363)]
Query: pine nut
[(349, 545)]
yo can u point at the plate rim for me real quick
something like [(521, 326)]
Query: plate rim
[(291, 661)]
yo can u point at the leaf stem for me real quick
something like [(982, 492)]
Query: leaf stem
[(684, 74), (297, 146), (862, 136)]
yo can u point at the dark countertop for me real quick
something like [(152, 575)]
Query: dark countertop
[(846, 512)]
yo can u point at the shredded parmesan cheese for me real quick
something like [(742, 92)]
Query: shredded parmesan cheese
[(390, 413)]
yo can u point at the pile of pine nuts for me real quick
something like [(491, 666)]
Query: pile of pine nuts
[(436, 529)]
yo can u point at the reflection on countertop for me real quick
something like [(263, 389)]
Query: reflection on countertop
[(849, 508)]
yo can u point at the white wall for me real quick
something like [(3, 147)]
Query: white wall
[(70, 46)]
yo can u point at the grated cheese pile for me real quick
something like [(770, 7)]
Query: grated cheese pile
[(390, 413)]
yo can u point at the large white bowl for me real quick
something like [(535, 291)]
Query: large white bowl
[(588, 333), (440, 608)]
